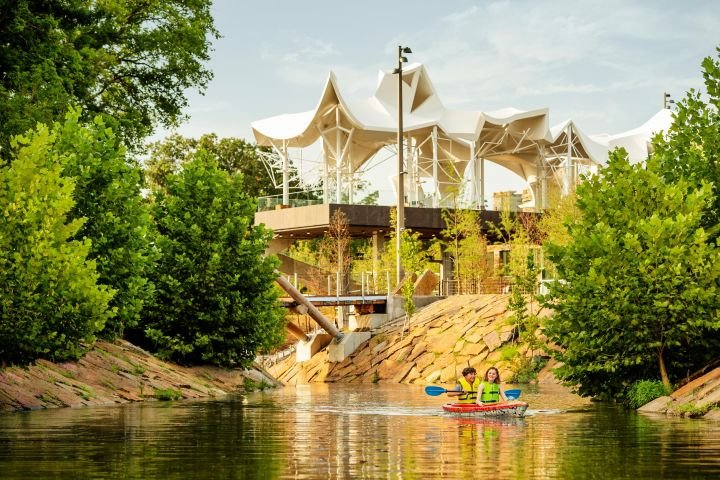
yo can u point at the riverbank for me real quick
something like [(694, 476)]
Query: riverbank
[(470, 330), (438, 343), (698, 398), (116, 373)]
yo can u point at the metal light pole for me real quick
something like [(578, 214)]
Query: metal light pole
[(667, 102), (400, 220)]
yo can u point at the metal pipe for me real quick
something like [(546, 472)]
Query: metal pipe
[(312, 310)]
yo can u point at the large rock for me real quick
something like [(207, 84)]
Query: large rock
[(442, 343), (441, 339), (426, 283), (114, 373), (659, 405), (449, 374), (492, 340), (426, 359)]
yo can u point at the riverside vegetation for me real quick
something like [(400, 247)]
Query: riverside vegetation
[(87, 251)]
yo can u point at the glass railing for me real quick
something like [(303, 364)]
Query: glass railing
[(275, 202), (376, 197)]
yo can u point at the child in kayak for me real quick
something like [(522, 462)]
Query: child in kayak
[(489, 390), (467, 386)]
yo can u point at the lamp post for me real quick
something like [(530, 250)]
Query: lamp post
[(400, 214), (667, 102)]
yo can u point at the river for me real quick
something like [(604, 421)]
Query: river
[(354, 431)]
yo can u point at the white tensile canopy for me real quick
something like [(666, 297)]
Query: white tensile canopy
[(443, 145)]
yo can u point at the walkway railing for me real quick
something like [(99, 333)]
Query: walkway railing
[(274, 201), (476, 286), (368, 283), (364, 283)]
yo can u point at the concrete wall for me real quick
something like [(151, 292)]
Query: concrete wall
[(396, 305)]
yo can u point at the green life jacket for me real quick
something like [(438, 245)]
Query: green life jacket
[(490, 392), (470, 390)]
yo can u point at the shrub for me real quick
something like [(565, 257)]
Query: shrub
[(50, 303), (508, 352), (526, 369), (167, 394), (117, 222), (644, 391), (216, 301), (691, 410)]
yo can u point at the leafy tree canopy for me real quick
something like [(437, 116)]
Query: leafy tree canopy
[(234, 155), (50, 303), (639, 295), (690, 149), (108, 196), (215, 296), (128, 59)]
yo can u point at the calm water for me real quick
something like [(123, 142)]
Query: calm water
[(353, 431)]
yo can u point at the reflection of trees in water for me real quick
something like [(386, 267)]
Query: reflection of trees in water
[(349, 431), (613, 443), (171, 441)]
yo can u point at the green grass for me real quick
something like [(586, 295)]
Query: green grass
[(108, 384), (86, 392), (691, 410), (644, 391), (167, 394), (250, 385)]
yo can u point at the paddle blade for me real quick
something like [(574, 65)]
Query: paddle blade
[(512, 394), (434, 391)]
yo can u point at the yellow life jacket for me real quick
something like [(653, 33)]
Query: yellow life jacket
[(490, 393), (470, 394)]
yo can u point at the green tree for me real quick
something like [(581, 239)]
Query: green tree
[(639, 296), (412, 254), (690, 149), (334, 249), (234, 155), (108, 195), (555, 221), (131, 60), (464, 238), (554, 225), (50, 303), (215, 296), (360, 190), (413, 261)]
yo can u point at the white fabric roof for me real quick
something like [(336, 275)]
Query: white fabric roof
[(509, 137)]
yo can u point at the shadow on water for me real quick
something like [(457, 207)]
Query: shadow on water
[(354, 431)]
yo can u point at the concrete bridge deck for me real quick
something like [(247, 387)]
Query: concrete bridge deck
[(377, 302)]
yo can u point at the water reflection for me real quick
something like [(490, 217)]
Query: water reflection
[(353, 431)]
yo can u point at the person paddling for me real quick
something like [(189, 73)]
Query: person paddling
[(467, 386), (489, 390)]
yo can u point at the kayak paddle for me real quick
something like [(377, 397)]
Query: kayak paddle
[(512, 394), (435, 391)]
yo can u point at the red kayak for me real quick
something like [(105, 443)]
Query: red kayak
[(512, 408)]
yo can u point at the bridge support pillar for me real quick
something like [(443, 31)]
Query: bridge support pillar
[(305, 350), (339, 351)]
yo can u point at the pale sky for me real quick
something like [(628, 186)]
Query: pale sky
[(603, 64)]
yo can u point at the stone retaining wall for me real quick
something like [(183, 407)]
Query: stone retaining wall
[(441, 340)]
